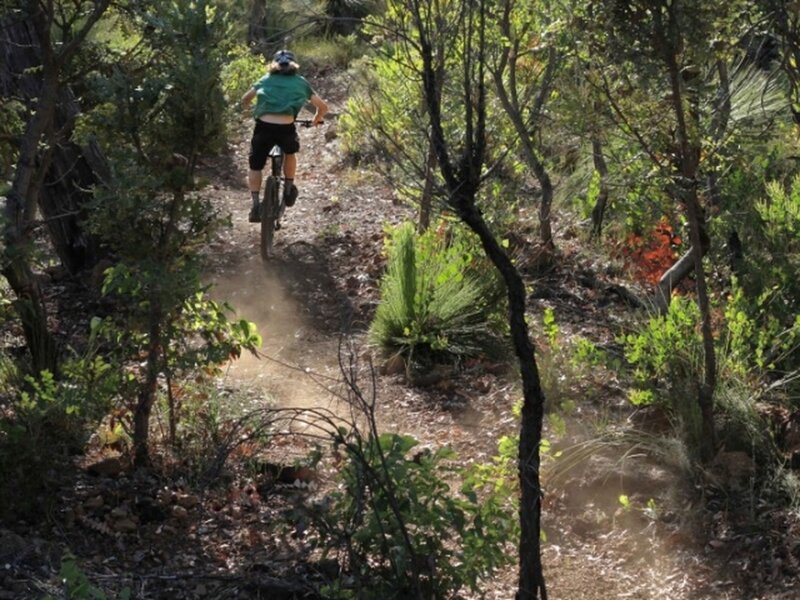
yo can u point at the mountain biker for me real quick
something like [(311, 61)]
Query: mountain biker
[(279, 96)]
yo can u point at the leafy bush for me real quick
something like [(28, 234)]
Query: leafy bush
[(159, 110), (770, 282), (242, 69), (48, 421), (335, 52), (667, 358), (11, 126), (667, 347), (438, 303), (380, 112), (407, 534), (77, 585), (757, 339)]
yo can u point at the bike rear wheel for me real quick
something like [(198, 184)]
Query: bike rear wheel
[(269, 217)]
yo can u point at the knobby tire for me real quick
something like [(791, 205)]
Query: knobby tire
[(269, 216)]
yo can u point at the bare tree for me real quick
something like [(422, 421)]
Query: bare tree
[(461, 168), (524, 97)]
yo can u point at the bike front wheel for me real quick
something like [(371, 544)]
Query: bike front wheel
[(269, 217)]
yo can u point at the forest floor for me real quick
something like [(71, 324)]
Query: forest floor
[(618, 521)]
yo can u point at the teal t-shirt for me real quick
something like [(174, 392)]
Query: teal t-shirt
[(281, 94)]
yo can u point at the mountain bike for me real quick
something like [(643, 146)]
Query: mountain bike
[(273, 206)]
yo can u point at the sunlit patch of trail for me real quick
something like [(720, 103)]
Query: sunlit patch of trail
[(298, 366)]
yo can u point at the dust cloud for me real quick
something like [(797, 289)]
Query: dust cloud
[(298, 361)]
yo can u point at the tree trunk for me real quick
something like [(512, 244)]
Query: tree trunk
[(148, 389), (426, 201), (599, 208), (72, 171), (678, 272), (62, 202), (525, 132), (531, 577), (686, 187), (705, 392), (257, 24), (462, 176), (17, 42)]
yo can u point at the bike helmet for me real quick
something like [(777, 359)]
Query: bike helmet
[(283, 58)]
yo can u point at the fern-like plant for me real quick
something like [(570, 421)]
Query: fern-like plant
[(439, 304)]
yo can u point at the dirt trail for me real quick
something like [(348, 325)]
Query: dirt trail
[(322, 283), (291, 348)]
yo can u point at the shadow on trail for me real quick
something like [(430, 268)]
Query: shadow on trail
[(304, 271)]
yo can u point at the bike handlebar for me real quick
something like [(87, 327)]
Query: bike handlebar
[(329, 116)]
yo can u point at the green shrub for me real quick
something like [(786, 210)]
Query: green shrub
[(380, 111), (407, 534), (49, 420), (242, 69), (667, 347), (76, 585), (666, 355), (760, 336), (438, 303), (334, 52)]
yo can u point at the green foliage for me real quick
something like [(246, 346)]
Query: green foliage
[(550, 327), (781, 214), (76, 586), (570, 367), (386, 123), (438, 302), (205, 419), (11, 127), (49, 421), (666, 355), (585, 352), (164, 97), (408, 531), (756, 339), (668, 346), (242, 69), (329, 53), (384, 104), (157, 110), (196, 332), (762, 310)]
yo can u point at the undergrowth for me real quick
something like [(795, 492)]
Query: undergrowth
[(439, 303)]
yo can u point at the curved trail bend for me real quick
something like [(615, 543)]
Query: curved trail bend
[(323, 283)]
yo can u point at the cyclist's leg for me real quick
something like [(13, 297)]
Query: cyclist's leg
[(290, 145), (289, 165), (254, 179), (289, 188), (260, 146)]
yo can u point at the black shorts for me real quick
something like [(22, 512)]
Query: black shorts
[(267, 135)]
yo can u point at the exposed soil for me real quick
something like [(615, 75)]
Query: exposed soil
[(245, 540)]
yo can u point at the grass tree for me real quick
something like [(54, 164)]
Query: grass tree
[(457, 117)]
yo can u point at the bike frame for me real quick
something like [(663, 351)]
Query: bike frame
[(273, 207)]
